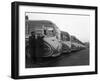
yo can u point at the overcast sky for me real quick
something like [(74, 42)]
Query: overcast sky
[(77, 25)]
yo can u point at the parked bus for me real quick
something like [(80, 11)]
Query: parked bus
[(50, 45)]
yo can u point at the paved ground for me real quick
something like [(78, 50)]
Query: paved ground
[(73, 59)]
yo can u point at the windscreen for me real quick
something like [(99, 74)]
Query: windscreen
[(65, 36), (49, 31)]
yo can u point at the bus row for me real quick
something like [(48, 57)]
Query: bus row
[(54, 41)]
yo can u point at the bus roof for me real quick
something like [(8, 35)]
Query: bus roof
[(66, 33), (40, 22)]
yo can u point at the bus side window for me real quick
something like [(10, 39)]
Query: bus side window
[(67, 37), (62, 36)]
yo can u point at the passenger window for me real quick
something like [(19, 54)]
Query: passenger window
[(62, 37), (67, 37)]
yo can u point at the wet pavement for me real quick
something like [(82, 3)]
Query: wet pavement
[(77, 58)]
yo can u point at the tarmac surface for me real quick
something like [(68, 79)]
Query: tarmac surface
[(77, 58)]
